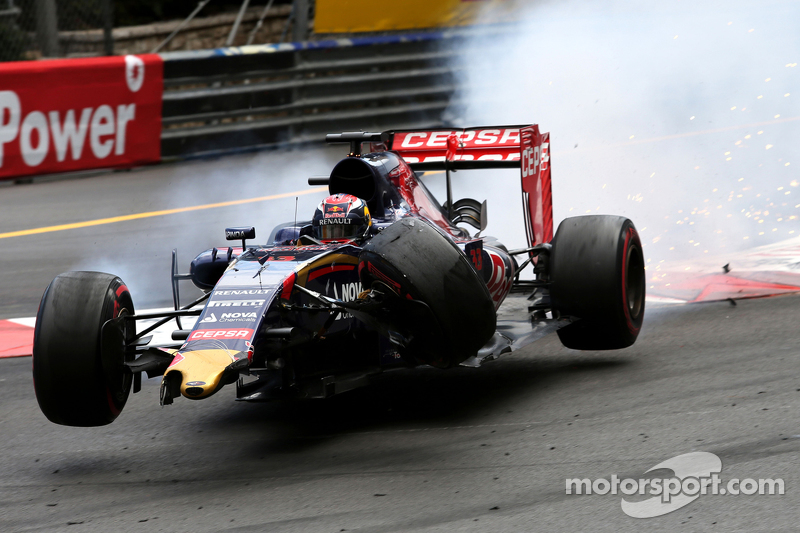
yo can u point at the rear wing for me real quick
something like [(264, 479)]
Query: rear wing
[(522, 147)]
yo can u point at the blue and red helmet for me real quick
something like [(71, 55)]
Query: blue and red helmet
[(341, 217)]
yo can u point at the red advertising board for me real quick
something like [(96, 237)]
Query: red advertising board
[(77, 114)]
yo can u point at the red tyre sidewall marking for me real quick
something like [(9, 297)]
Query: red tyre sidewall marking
[(628, 320), (122, 289)]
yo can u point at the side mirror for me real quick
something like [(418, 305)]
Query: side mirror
[(243, 233)]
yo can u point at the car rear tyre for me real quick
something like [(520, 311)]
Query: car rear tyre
[(422, 264), (597, 274), (78, 368)]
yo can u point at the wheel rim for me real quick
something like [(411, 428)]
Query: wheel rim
[(634, 281)]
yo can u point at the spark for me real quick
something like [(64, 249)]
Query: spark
[(691, 118), (727, 153), (675, 37), (787, 94), (631, 137), (759, 97), (747, 136), (760, 132), (767, 79), (733, 108), (777, 116), (728, 159), (787, 164), (791, 64), (737, 143), (714, 190), (751, 30), (653, 174), (768, 146), (794, 183)]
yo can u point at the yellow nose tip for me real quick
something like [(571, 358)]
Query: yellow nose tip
[(201, 372)]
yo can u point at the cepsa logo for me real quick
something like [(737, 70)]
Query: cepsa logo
[(74, 114), (500, 144), (221, 334), (533, 157), (470, 138)]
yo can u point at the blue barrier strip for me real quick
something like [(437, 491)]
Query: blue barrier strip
[(329, 43)]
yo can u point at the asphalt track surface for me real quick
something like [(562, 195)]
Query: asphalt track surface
[(469, 449), (484, 449)]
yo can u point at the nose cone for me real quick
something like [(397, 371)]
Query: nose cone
[(202, 372)]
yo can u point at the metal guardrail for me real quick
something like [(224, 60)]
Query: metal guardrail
[(235, 99)]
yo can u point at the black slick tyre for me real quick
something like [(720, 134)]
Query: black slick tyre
[(421, 264), (597, 274), (79, 377)]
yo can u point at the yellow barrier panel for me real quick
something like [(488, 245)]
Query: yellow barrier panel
[(352, 16)]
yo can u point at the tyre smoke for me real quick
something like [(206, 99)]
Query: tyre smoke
[(684, 117)]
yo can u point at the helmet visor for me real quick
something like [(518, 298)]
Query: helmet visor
[(338, 232)]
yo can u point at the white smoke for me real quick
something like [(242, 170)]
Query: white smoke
[(673, 114)]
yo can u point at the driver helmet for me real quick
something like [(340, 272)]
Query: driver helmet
[(341, 217)]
